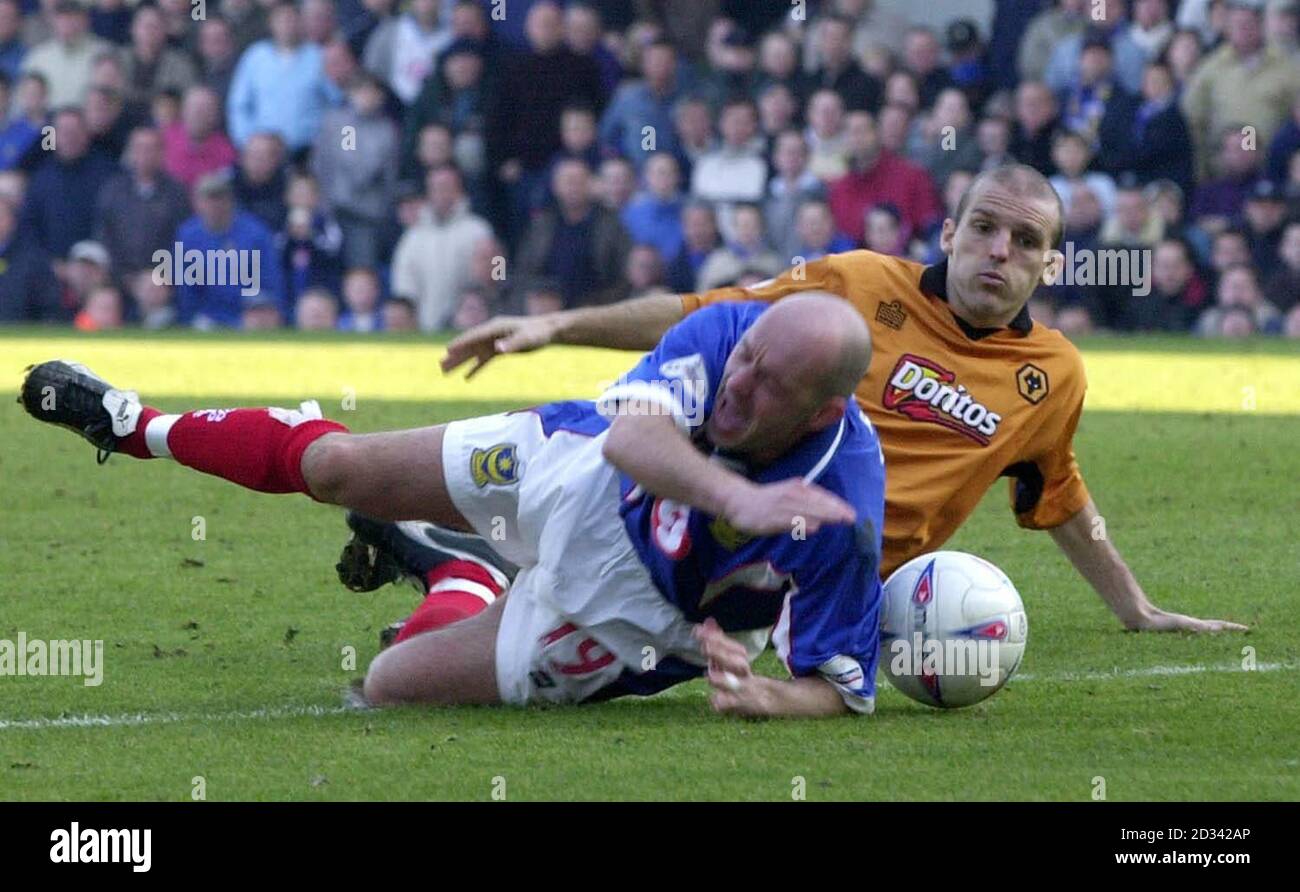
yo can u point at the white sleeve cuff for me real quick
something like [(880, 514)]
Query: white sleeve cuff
[(643, 398), (854, 701), (849, 679)]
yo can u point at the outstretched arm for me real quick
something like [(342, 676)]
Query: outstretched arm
[(652, 451), (1099, 562), (627, 325)]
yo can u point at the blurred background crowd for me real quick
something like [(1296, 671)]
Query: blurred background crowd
[(429, 163)]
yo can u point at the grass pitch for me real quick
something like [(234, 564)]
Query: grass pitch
[(224, 658)]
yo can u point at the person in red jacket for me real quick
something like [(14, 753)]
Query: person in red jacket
[(878, 176)]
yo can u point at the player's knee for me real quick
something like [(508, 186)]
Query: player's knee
[(378, 688), (330, 466)]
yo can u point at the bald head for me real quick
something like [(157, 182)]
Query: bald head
[(825, 339), (791, 375)]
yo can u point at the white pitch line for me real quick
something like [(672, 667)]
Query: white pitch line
[(166, 718), (283, 712), (1155, 671)]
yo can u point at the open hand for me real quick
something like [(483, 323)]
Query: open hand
[(1163, 621), (504, 334), (774, 508)]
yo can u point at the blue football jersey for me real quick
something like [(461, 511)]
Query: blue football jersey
[(820, 592)]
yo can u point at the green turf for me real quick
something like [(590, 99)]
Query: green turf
[(219, 646)]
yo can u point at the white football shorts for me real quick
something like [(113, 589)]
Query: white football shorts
[(583, 608)]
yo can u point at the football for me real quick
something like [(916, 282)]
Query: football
[(953, 629)]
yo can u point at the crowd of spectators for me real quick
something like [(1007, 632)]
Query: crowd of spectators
[(427, 164)]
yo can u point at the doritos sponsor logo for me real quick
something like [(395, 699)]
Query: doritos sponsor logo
[(926, 391), (497, 465)]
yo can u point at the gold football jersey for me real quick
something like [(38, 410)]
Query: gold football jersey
[(955, 407)]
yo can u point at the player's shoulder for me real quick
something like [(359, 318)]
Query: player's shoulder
[(843, 457), (729, 313), (696, 349), (859, 432), (724, 321), (858, 466), (1057, 355), (882, 285), (1061, 349), (852, 466), (861, 263)]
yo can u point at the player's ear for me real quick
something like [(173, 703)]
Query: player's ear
[(946, 233), (830, 413), (1054, 262)]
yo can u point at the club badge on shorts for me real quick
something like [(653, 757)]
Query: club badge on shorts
[(497, 465)]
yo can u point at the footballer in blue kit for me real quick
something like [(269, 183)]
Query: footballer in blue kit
[(815, 591), (819, 593), (725, 492)]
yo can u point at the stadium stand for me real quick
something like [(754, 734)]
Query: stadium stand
[(459, 158)]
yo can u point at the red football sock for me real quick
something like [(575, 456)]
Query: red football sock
[(457, 590), (134, 444), (438, 610), (251, 447)]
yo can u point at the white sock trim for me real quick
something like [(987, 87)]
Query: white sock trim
[(155, 434), (467, 586)]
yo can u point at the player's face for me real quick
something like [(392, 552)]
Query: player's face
[(998, 254), (761, 409)]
